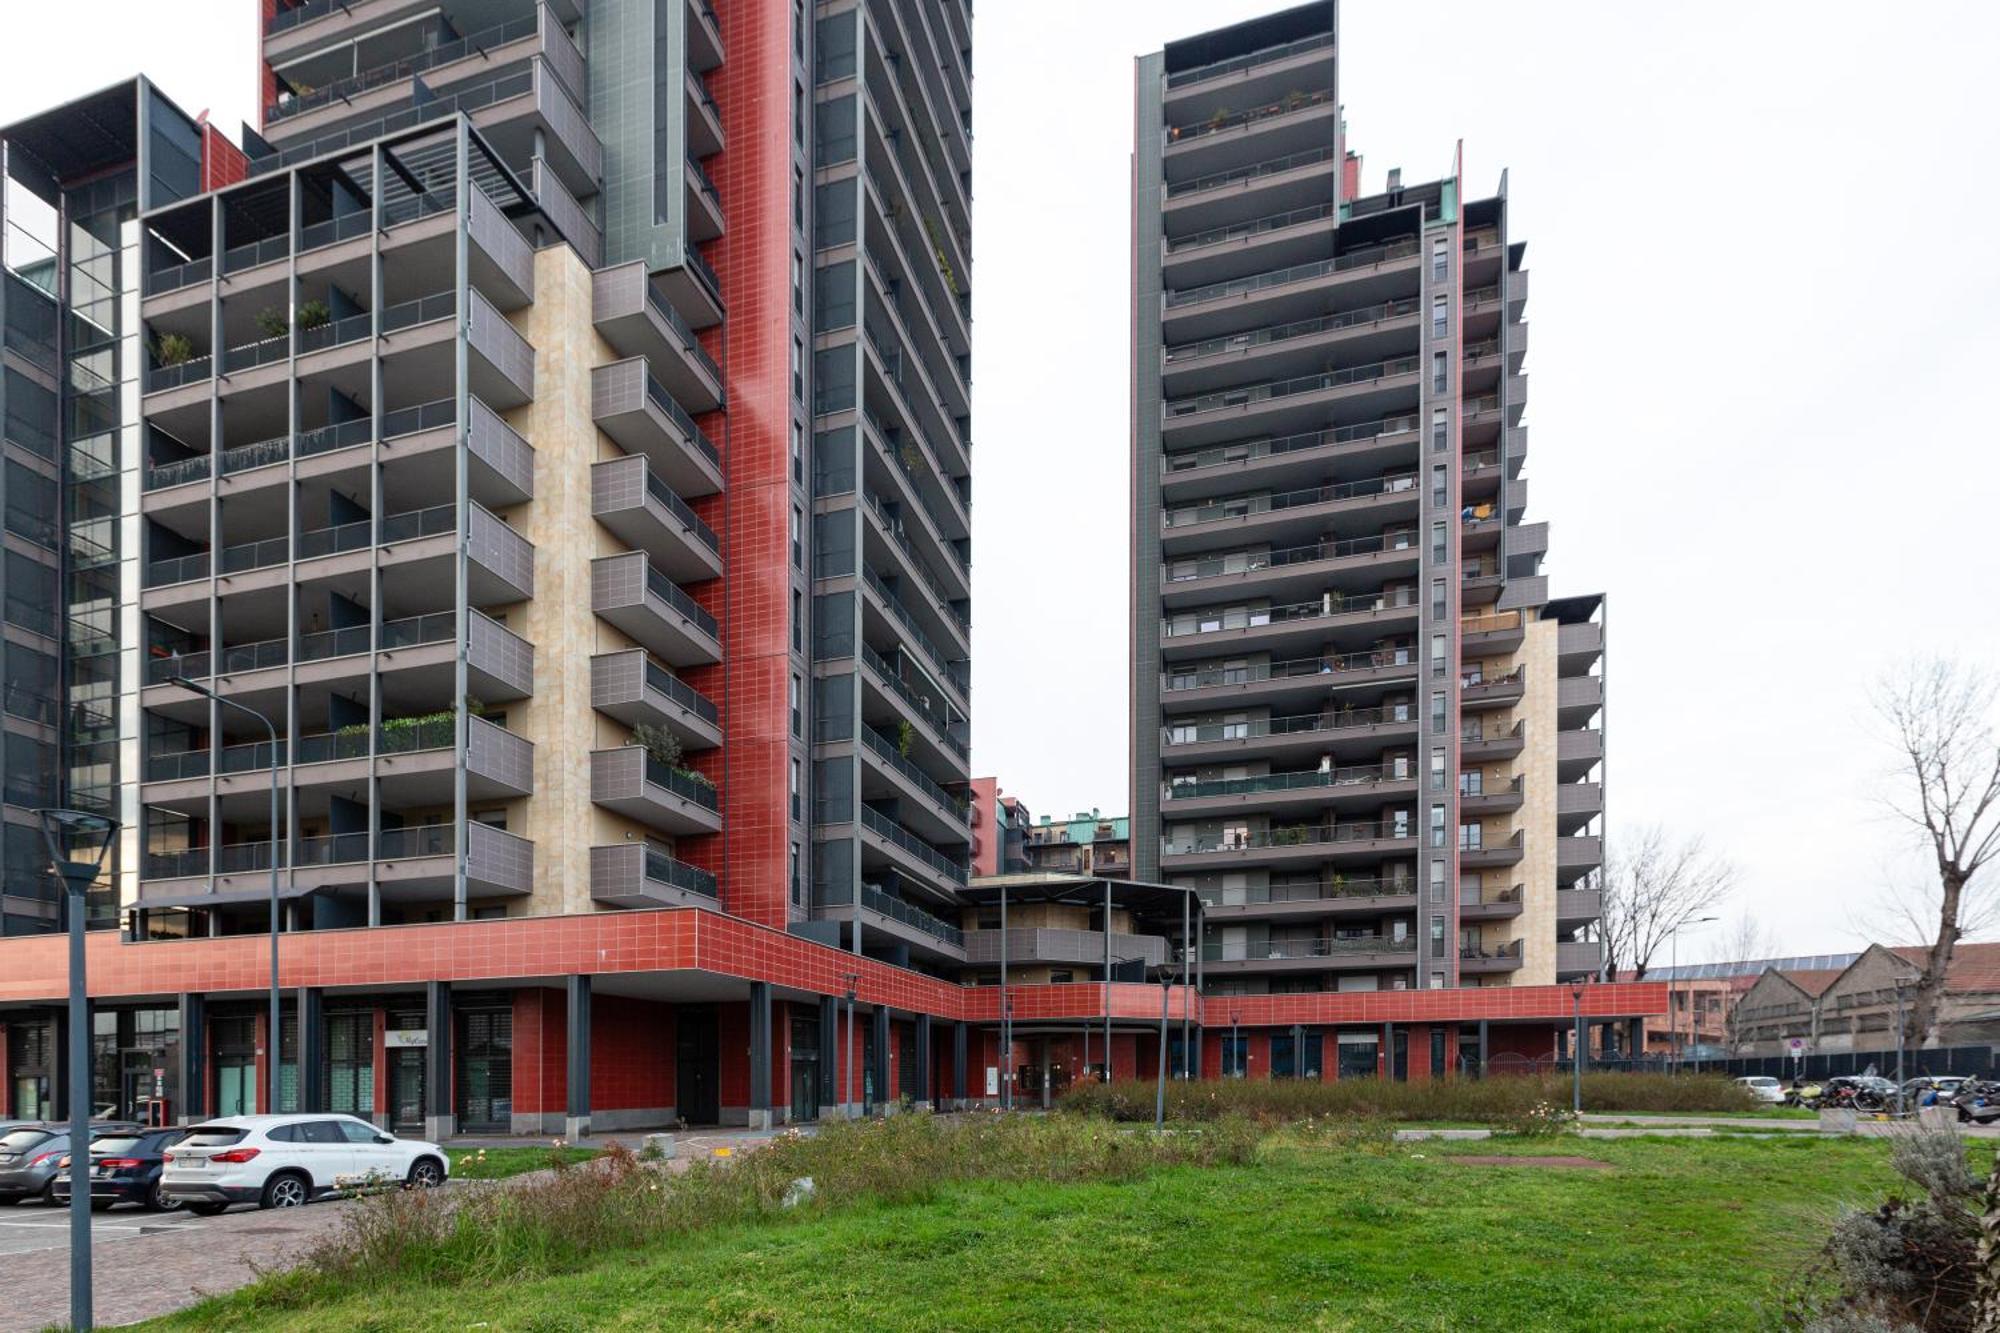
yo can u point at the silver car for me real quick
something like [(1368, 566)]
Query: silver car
[(30, 1156)]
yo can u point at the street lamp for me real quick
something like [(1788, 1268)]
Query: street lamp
[(1576, 1061), (846, 1055), (77, 845), (276, 1040), (1673, 978)]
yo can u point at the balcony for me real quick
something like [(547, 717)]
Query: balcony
[(1578, 958), (640, 875), (704, 204), (1296, 289), (1296, 843), (1491, 635), (653, 611), (1273, 404), (674, 801), (1363, 894), (1578, 699), (1483, 855), (1249, 629), (1190, 686), (893, 700), (636, 319), (909, 854), (1222, 468), (1578, 907), (644, 513), (890, 775), (634, 409), (1298, 573), (1485, 960), (1078, 948), (704, 36), (1186, 742), (633, 688), (1276, 791), (1577, 803), (1285, 955), (885, 914), (1254, 515), (1271, 184), (414, 863), (1577, 753), (1284, 59), (1478, 692), (1577, 857), (1496, 741), (1287, 123), (1493, 905), (1579, 646), (502, 365), (1489, 798)]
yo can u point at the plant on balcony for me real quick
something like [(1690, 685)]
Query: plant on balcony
[(1295, 99), (314, 314), (905, 733), (173, 349), (1289, 835), (911, 457), (697, 777), (405, 726), (271, 321), (659, 744), (1220, 118)]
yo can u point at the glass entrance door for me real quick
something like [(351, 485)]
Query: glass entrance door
[(406, 1091), (805, 1069), (696, 1069), (486, 1071)]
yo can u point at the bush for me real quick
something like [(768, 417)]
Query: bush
[(567, 1217), (1504, 1101)]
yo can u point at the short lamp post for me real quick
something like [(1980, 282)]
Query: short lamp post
[(77, 845), (1576, 1063), (275, 1041)]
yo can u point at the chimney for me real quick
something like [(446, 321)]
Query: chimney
[(1350, 177)]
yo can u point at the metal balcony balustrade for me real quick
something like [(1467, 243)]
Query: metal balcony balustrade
[(1475, 407), (880, 824), (891, 754), (1485, 458), (424, 840), (894, 527), (1291, 217), (666, 870), (670, 592), (681, 510), (884, 904), (1487, 624), (1493, 731), (337, 332), (1332, 604), (1287, 105), (173, 277), (684, 783), (1354, 775), (1290, 668), (1335, 889), (283, 19), (407, 632), (677, 414), (1268, 167), (953, 668), (1299, 724), (1288, 444), (1478, 296), (1211, 511), (332, 231), (1300, 328), (1295, 835), (1475, 897), (682, 693), (927, 708), (260, 352), (1492, 953), (1278, 950), (1474, 783), (1263, 56), (690, 343), (1471, 838), (191, 371), (178, 569), (343, 89), (893, 443), (1245, 395), (251, 254), (159, 476), (1360, 258), (1476, 676)]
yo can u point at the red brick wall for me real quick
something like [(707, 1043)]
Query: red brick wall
[(222, 162), (631, 1053), (986, 835), (541, 1052), (754, 177), (732, 1041)]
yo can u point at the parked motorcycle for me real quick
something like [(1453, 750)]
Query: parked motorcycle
[(1977, 1102)]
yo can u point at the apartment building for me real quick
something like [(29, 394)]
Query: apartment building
[(999, 830), (515, 506), (1089, 843), (1363, 729)]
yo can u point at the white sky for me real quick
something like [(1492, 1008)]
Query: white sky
[(1763, 277)]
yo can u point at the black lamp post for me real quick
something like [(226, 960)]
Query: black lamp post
[(846, 1056), (1576, 1064), (276, 1039), (77, 845)]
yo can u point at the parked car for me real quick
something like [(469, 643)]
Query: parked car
[(31, 1155), (125, 1167), (1763, 1088), (1977, 1101), (282, 1161), (1929, 1089)]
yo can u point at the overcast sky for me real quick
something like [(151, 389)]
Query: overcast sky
[(1764, 275)]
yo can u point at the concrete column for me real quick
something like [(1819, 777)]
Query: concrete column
[(760, 1055), (309, 1017), (829, 1055), (576, 1111), (884, 1094), (1388, 1052), (440, 1120), (924, 1060), (192, 1069), (1635, 1038), (959, 1095), (1482, 1048)]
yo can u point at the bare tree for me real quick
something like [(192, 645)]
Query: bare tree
[(1655, 883), (1747, 940), (1939, 714)]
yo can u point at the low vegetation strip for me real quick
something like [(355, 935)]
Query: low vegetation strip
[(1505, 1102)]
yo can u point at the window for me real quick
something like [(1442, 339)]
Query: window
[(1471, 837), (798, 538), (1440, 372), (356, 1132), (1437, 710), (1438, 549), (1437, 879), (1439, 487), (1440, 428), (798, 784), (798, 368), (798, 622), (799, 284), (1437, 769), (798, 710), (798, 451), (1437, 657), (1437, 826), (1437, 981), (1440, 315), (1440, 259), (799, 200), (798, 113), (798, 884)]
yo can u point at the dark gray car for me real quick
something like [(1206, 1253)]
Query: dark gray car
[(30, 1156)]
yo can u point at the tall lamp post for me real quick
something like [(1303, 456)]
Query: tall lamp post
[(1673, 980), (276, 1038), (77, 844), (845, 1059), (1576, 1061), (1235, 1048)]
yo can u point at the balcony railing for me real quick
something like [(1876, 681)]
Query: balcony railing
[(1361, 258), (954, 667), (1290, 668), (253, 253), (682, 693), (1280, 950), (180, 569), (1264, 56), (684, 783), (691, 343), (1269, 167), (190, 371), (1291, 217), (670, 592), (925, 575), (330, 849), (327, 746), (1215, 124), (677, 414), (928, 708), (1263, 895), (1289, 388), (1302, 328), (1493, 953), (1499, 621), (891, 754), (402, 844), (680, 509), (413, 735), (1244, 506), (1287, 444), (884, 904), (665, 869), (179, 472), (1357, 775), (341, 90), (888, 828), (1294, 725), (1332, 604), (1295, 835), (339, 435)]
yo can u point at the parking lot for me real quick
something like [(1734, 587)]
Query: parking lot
[(146, 1264)]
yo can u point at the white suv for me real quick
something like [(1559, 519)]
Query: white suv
[(282, 1161)]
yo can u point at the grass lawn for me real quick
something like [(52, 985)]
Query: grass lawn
[(1679, 1234), (499, 1163)]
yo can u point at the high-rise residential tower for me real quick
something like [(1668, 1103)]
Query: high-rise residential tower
[(1362, 728)]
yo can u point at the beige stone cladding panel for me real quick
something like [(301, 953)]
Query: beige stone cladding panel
[(1536, 819)]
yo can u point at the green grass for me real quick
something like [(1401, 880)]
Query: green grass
[(499, 1163), (1679, 1235)]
